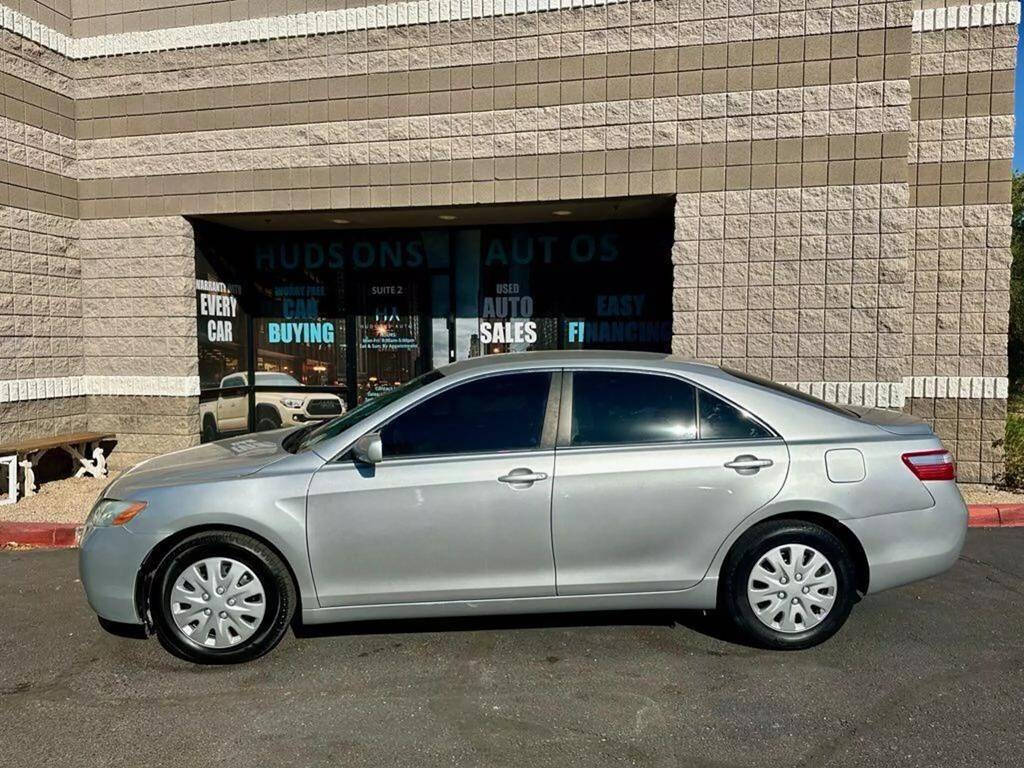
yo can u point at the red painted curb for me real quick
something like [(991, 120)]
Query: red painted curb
[(53, 535), (982, 516), (995, 515), (1011, 515)]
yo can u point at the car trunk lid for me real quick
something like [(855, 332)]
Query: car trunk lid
[(895, 422)]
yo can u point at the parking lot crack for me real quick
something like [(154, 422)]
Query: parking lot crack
[(1002, 571)]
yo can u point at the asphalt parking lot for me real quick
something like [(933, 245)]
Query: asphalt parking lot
[(926, 675)]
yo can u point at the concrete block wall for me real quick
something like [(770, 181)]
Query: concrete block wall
[(139, 333), (40, 277), (840, 171), (55, 14), (961, 147)]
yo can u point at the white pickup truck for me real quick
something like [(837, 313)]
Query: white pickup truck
[(229, 412)]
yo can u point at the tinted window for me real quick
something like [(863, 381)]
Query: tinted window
[(791, 392), (721, 421), (335, 427), (233, 381), (496, 413), (611, 408)]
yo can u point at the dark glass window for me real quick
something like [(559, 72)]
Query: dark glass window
[(496, 413), (721, 421), (791, 392), (617, 408)]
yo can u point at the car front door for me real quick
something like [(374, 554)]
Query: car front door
[(646, 490), (459, 508)]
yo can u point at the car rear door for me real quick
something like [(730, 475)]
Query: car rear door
[(652, 474), (459, 509)]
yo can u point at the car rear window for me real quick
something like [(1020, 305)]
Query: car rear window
[(721, 421), (792, 392)]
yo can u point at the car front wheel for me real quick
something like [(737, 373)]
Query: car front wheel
[(788, 584), (221, 598)]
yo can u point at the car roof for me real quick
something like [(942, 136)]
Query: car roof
[(569, 358)]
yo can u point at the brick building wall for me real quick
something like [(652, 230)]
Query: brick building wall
[(40, 278), (841, 173), (139, 332), (961, 147)]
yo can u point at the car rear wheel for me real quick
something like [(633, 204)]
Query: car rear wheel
[(788, 584), (221, 598)]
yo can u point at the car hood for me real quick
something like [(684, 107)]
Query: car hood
[(220, 460)]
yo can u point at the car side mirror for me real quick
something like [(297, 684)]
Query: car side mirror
[(368, 449)]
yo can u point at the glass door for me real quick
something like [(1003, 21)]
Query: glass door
[(390, 333)]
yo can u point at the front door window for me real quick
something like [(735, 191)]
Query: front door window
[(490, 415)]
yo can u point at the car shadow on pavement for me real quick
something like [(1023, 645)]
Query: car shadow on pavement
[(703, 622)]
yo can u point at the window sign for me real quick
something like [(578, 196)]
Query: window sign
[(220, 325), (388, 335)]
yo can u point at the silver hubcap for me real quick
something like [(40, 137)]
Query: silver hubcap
[(217, 602), (792, 588)]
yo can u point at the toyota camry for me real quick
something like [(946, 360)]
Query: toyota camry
[(529, 483)]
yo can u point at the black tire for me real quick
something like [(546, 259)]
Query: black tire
[(267, 419), (748, 551), (210, 433), (279, 589)]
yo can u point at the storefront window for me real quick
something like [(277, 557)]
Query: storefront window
[(221, 324), (389, 335), (309, 323), (308, 352)]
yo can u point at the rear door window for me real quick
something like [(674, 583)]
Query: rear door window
[(624, 408), (721, 421)]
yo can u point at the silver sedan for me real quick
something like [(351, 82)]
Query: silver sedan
[(531, 483)]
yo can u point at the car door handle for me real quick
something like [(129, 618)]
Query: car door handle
[(523, 475), (748, 465)]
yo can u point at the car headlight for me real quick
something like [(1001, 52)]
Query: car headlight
[(292, 402), (113, 512)]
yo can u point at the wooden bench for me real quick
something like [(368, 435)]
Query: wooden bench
[(79, 445)]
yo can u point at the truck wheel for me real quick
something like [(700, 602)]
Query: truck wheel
[(267, 419), (209, 430)]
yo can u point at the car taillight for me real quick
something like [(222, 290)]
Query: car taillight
[(931, 465)]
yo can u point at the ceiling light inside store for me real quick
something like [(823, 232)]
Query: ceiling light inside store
[(562, 212), (340, 221), (447, 217)]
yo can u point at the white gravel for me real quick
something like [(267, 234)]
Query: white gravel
[(987, 494), (59, 501)]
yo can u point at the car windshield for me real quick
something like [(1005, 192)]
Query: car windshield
[(303, 440), (270, 379), (791, 392)]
